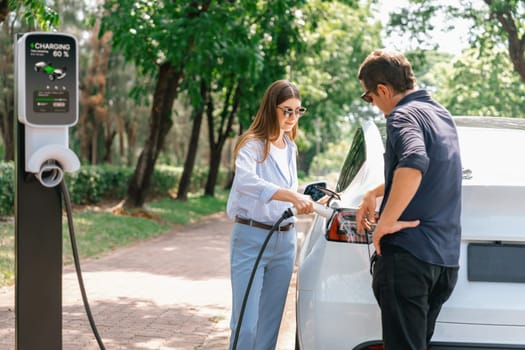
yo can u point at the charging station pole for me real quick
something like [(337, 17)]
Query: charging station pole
[(46, 104), (38, 251)]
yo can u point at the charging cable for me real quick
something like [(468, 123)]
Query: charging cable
[(319, 209), (76, 259)]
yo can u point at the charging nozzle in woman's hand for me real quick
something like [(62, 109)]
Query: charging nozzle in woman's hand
[(303, 204)]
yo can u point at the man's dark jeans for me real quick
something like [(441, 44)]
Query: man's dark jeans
[(410, 294)]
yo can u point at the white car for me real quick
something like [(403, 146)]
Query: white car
[(336, 308)]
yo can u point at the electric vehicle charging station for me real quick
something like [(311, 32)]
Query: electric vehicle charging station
[(46, 105)]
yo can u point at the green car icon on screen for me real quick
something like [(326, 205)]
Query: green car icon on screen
[(53, 73)]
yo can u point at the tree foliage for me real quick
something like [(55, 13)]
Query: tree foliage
[(35, 13), (226, 45), (236, 48), (499, 22), (17, 17), (338, 39), (483, 84), (256, 45)]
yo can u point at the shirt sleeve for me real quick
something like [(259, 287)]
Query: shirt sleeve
[(248, 181), (408, 142)]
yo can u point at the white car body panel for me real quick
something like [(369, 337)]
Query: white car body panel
[(336, 308)]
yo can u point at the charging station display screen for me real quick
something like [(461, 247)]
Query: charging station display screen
[(51, 79), (51, 101)]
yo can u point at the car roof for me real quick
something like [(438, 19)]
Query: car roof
[(490, 122)]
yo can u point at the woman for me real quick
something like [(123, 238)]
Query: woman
[(264, 186)]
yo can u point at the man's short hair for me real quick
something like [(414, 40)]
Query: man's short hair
[(388, 68)]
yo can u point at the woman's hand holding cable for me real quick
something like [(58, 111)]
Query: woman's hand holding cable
[(303, 204)]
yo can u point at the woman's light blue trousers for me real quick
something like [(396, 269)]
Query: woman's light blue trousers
[(264, 309)]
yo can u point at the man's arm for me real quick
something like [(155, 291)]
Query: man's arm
[(405, 183)]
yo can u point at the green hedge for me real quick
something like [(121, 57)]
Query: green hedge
[(94, 183), (7, 187)]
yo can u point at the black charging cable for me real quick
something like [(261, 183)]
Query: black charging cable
[(76, 258), (287, 214)]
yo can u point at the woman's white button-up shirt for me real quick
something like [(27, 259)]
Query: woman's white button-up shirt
[(255, 182)]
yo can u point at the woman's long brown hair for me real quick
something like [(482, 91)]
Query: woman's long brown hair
[(265, 126)]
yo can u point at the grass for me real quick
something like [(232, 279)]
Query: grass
[(100, 231)]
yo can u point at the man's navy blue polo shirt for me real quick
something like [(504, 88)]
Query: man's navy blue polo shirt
[(421, 134)]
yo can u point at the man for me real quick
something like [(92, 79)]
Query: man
[(417, 236)]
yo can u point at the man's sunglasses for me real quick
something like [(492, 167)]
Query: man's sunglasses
[(366, 96), (299, 112)]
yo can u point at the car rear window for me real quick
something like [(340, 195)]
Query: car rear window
[(353, 162), (492, 156)]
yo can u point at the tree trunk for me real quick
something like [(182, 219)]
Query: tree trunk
[(159, 125), (231, 172), (213, 174), (130, 127), (94, 122), (108, 144), (7, 115), (516, 45), (224, 130), (7, 127), (185, 180), (4, 10)]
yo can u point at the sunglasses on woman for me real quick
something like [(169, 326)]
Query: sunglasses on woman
[(299, 112)]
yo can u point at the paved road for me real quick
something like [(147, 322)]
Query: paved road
[(167, 293)]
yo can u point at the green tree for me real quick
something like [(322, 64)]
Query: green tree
[(482, 84), (256, 51), (339, 36), (158, 38), (477, 82), (496, 21), (17, 16), (188, 45), (35, 13), (95, 128), (126, 105)]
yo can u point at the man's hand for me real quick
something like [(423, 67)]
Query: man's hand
[(366, 212), (383, 229), (404, 186)]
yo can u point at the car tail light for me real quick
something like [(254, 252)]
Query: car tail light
[(378, 345), (373, 345), (342, 228)]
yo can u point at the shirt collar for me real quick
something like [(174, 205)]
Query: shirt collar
[(418, 95)]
